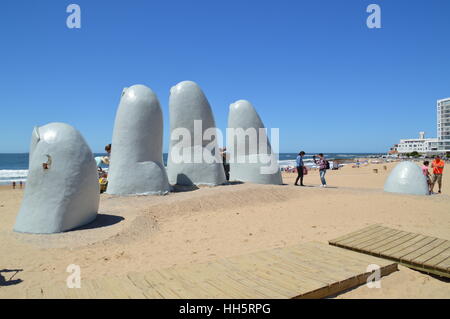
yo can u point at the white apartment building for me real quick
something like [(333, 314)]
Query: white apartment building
[(441, 144), (443, 124)]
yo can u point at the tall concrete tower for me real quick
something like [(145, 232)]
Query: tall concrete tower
[(443, 124)]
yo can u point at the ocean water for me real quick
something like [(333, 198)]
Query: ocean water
[(14, 167)]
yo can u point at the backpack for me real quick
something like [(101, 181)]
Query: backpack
[(327, 164)]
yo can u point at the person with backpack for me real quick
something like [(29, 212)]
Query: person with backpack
[(323, 166)]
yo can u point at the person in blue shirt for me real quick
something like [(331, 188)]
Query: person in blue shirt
[(300, 166)]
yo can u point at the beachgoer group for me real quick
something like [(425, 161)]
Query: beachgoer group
[(322, 164), (438, 169)]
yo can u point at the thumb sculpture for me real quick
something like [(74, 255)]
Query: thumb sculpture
[(252, 159), (136, 166), (194, 157), (62, 191), (407, 178)]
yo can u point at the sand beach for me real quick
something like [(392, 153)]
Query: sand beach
[(141, 233)]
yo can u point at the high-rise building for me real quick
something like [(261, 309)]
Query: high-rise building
[(443, 124)]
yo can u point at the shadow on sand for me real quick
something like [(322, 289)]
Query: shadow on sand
[(233, 183), (102, 220), (183, 188), (10, 281)]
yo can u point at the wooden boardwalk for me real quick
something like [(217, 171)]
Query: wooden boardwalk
[(424, 253), (311, 270)]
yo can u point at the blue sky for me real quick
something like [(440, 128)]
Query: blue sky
[(311, 68)]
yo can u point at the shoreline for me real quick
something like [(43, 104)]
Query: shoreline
[(283, 163)]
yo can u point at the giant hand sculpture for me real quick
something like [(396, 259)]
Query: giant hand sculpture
[(252, 157), (62, 190), (136, 166), (194, 158)]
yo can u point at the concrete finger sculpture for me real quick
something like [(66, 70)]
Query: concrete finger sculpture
[(194, 158), (136, 166), (62, 191), (407, 178), (252, 159)]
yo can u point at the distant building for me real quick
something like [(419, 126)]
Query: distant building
[(429, 146), (420, 145), (393, 150)]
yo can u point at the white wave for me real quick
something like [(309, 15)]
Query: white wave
[(293, 163), (13, 173)]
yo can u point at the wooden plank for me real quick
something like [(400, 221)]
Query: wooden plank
[(352, 255), (346, 284), (302, 269), (372, 238), (284, 277), (394, 244), (277, 282), (375, 247), (232, 277), (396, 252), (435, 261), (419, 252), (420, 260), (375, 241), (341, 258), (444, 265), (413, 250), (181, 287), (365, 229), (322, 263), (239, 289), (161, 285), (261, 291), (262, 279), (194, 288), (306, 270), (410, 249), (361, 235), (147, 289), (125, 288)]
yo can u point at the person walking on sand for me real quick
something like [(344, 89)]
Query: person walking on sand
[(300, 166), (427, 174), (438, 169), (323, 166)]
